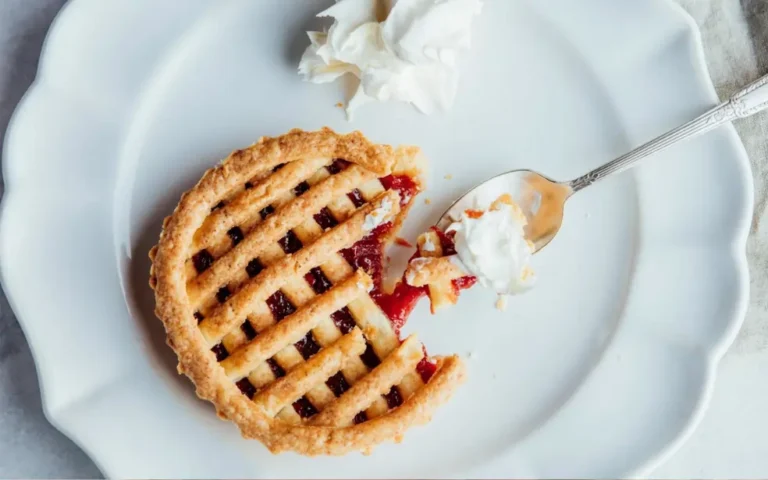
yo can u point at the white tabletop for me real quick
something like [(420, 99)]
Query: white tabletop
[(729, 442)]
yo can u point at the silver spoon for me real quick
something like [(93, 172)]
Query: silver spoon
[(543, 199)]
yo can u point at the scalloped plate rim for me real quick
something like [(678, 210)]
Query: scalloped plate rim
[(714, 355)]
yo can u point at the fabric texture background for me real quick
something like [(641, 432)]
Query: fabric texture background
[(735, 36)]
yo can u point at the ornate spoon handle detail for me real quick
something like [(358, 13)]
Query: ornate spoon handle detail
[(748, 101)]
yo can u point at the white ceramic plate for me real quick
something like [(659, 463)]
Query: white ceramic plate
[(600, 371)]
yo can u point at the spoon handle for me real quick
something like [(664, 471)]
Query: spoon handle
[(750, 100)]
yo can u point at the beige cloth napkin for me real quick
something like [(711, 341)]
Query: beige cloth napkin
[(735, 36)]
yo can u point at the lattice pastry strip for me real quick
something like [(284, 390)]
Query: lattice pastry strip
[(262, 171), (253, 200), (236, 218), (294, 327), (337, 268), (384, 340), (311, 373), (326, 332), (342, 236), (222, 259), (289, 357), (271, 229), (298, 291), (391, 371), (437, 274)]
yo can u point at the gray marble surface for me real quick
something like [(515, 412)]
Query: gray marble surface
[(29, 445), (735, 34)]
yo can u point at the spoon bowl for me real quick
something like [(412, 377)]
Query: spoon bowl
[(541, 199)]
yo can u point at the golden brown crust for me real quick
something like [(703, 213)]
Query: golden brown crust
[(435, 271), (178, 296), (288, 389), (378, 382), (428, 270), (291, 329)]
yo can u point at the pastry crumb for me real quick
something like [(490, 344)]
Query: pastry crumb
[(501, 303), (448, 176), (427, 201), (339, 105), (403, 242)]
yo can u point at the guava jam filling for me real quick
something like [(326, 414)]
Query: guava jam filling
[(446, 241), (399, 304), (403, 184), (368, 254), (464, 283), (425, 368)]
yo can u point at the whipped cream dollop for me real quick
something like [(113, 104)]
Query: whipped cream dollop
[(401, 50), (492, 246)]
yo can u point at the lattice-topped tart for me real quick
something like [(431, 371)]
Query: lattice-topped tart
[(268, 279)]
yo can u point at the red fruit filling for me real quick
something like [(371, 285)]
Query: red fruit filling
[(368, 254)]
